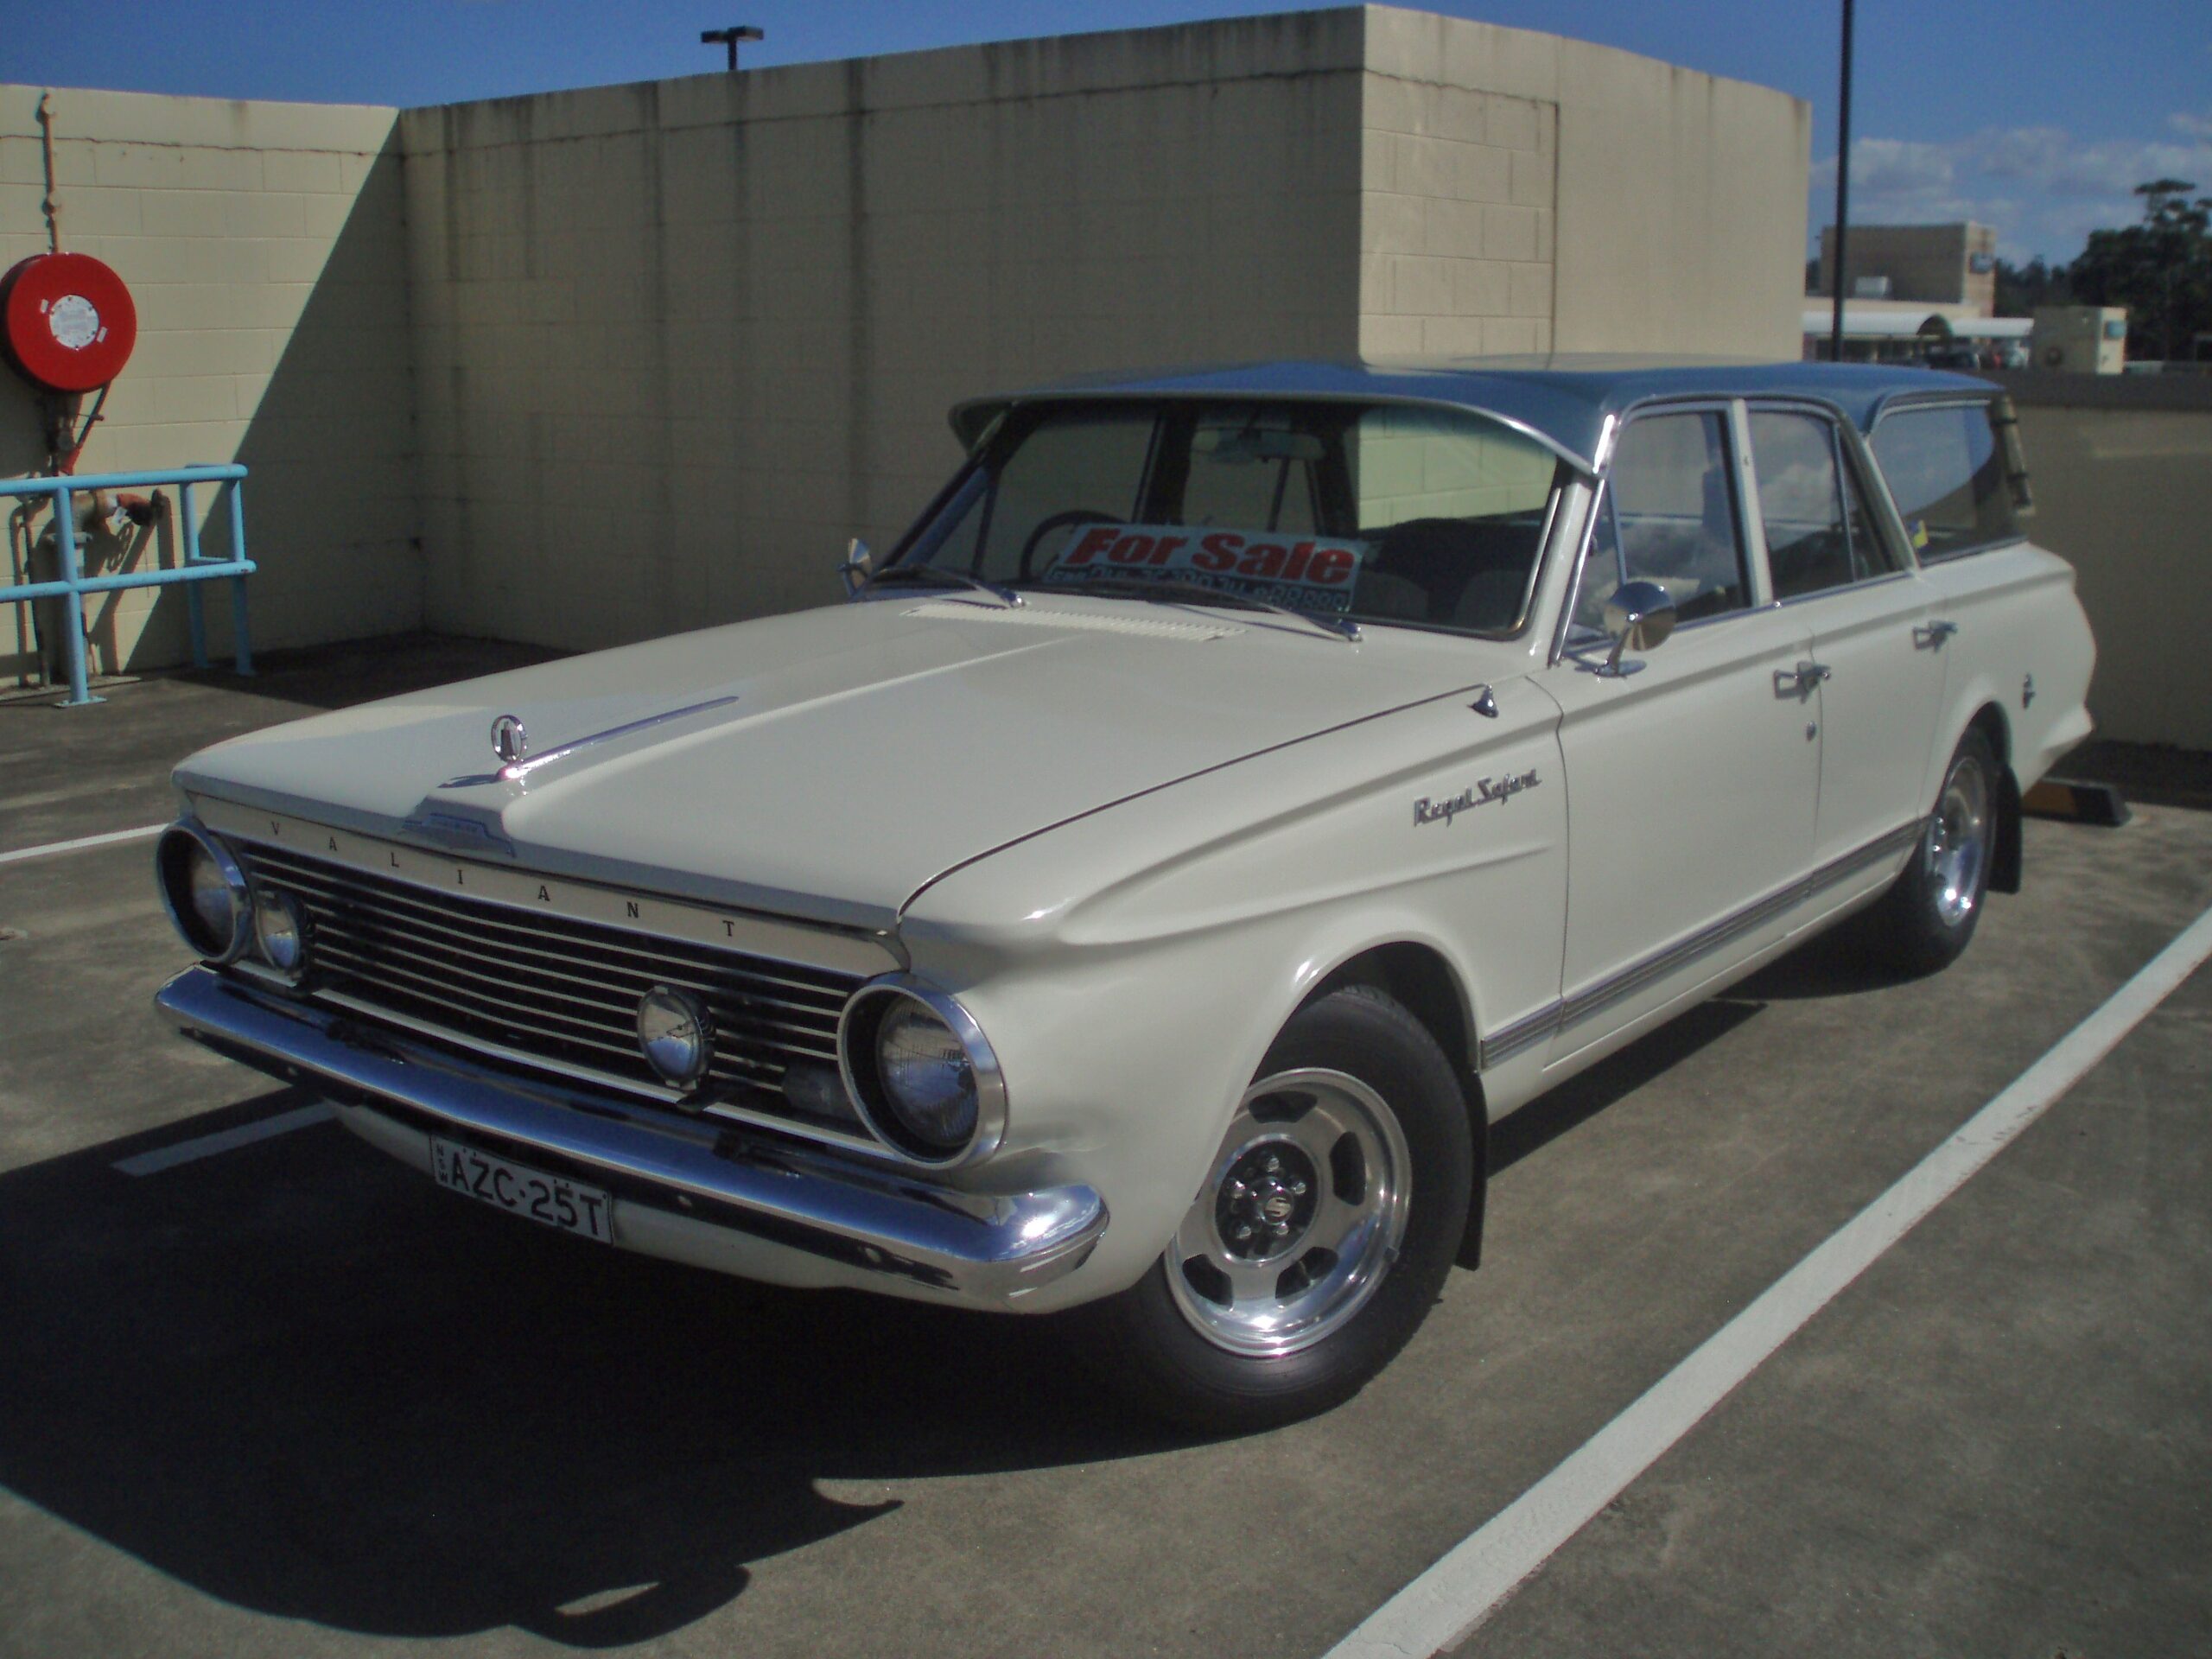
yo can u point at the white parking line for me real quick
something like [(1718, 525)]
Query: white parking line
[(1445, 1605), (185, 1152), (82, 843)]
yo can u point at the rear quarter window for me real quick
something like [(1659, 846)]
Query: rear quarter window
[(1945, 469)]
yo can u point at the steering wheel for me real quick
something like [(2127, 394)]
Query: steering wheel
[(1058, 521)]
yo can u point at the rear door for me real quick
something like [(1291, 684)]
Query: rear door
[(1874, 681)]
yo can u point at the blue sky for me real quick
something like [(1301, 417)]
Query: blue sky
[(2035, 115)]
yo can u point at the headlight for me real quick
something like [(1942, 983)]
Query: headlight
[(926, 1078), (921, 1072), (280, 932), (676, 1034), (204, 891)]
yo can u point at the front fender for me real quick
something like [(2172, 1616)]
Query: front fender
[(1131, 969)]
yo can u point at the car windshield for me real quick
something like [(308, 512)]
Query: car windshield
[(1387, 513)]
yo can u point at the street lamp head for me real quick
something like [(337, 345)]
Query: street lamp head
[(730, 37)]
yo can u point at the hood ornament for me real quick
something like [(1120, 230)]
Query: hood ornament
[(511, 744), (509, 741)]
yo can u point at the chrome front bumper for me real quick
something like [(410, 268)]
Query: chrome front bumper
[(690, 1190)]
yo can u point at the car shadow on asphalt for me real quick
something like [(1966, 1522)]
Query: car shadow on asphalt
[(1582, 1096), (299, 1378), (1834, 964)]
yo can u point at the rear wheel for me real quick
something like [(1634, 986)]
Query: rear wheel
[(1320, 1234), (1926, 920)]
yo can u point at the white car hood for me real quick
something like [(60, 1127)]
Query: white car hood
[(832, 763)]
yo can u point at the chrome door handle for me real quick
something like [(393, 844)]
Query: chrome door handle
[(1931, 636), (1796, 682)]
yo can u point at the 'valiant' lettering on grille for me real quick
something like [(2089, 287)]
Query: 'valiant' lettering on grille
[(1484, 792)]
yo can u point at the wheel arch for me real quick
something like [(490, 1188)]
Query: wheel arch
[(1420, 979)]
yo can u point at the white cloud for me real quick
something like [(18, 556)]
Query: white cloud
[(2043, 189)]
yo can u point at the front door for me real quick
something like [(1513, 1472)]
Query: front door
[(1691, 780)]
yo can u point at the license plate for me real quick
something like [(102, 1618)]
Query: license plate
[(548, 1199)]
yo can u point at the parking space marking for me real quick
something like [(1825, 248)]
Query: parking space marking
[(185, 1152), (82, 843), (1446, 1604)]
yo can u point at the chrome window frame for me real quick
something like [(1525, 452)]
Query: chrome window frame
[(1847, 445), (1752, 562), (1575, 470)]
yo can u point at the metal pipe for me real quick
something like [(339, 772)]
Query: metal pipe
[(196, 569), (1842, 190), (242, 651), (72, 631)]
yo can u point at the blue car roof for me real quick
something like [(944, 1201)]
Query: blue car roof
[(1563, 400)]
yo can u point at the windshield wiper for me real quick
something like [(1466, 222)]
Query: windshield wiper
[(931, 575), (1199, 593)]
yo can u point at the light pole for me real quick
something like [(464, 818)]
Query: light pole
[(1842, 190), (730, 37)]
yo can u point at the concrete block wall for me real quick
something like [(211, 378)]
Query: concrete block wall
[(263, 245), (677, 342), (589, 367), (1456, 222), (1528, 193)]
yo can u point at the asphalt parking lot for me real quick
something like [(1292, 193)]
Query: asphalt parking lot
[(288, 1398)]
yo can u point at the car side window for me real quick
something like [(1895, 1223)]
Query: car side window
[(1820, 531), (1668, 515), (1946, 470)]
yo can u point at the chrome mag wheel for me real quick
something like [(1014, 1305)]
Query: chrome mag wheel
[(1958, 841), (1300, 1217)]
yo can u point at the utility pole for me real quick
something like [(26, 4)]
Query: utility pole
[(730, 37), (1842, 189)]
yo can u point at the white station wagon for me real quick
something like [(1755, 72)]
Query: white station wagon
[(1238, 792)]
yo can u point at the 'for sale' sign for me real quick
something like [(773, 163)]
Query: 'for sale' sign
[(1304, 573)]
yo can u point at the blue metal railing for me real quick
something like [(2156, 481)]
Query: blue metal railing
[(196, 569)]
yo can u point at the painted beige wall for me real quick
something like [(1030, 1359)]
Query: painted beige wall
[(675, 342), (2125, 492), (1643, 208), (264, 246), (639, 359)]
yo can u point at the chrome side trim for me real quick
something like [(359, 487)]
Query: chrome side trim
[(873, 1225), (1509, 1040), (1594, 1000)]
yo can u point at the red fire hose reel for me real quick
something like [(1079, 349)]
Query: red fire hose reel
[(66, 322)]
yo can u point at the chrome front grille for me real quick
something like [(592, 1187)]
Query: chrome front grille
[(553, 988)]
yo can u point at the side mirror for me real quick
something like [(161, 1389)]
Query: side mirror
[(1639, 616), (859, 566)]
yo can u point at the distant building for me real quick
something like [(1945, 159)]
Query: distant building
[(1915, 293), (1942, 265), (2080, 339)]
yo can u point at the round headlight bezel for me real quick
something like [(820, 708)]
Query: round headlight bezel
[(663, 1002), (269, 909), (858, 1030), (182, 843)]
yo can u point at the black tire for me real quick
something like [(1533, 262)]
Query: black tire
[(1922, 923), (1148, 1345)]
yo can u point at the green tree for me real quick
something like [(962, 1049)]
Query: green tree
[(2021, 288), (2160, 269)]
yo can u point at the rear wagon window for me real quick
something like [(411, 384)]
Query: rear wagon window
[(1947, 471)]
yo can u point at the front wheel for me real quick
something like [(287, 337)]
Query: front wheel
[(1923, 922), (1320, 1234)]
